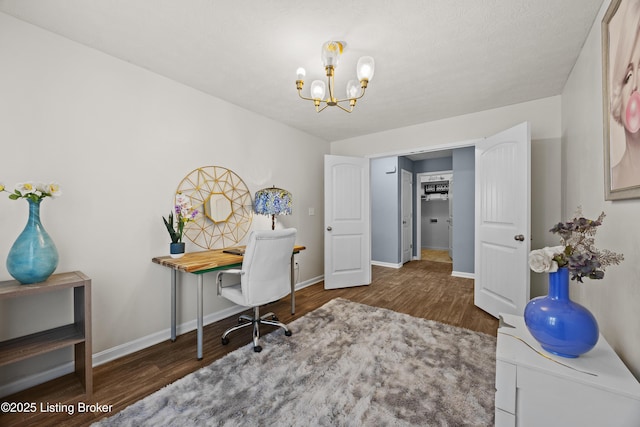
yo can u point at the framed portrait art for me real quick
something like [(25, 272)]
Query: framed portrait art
[(621, 99)]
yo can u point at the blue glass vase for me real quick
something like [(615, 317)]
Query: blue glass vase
[(561, 326), (33, 256)]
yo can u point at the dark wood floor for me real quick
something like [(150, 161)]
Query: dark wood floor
[(420, 288)]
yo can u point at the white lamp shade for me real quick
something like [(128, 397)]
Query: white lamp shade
[(353, 89), (317, 89), (366, 67), (301, 73)]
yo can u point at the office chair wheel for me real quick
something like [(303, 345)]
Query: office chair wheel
[(225, 341), (257, 349), (287, 333)]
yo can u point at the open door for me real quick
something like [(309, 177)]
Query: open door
[(503, 221), (347, 241), (406, 214)]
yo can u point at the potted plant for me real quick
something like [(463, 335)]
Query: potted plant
[(175, 224)]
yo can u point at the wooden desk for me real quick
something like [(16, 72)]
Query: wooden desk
[(202, 262)]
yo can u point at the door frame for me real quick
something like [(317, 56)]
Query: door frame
[(403, 242), (428, 149), (418, 219)]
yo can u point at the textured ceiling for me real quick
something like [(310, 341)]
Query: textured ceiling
[(434, 59)]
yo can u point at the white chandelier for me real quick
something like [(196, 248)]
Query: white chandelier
[(330, 55)]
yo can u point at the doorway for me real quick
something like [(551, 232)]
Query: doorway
[(459, 162), (434, 212)]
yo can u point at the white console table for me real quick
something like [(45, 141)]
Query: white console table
[(537, 388)]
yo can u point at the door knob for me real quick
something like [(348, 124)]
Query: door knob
[(329, 228), (519, 237)]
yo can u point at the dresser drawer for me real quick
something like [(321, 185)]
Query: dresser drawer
[(506, 386), (505, 419)]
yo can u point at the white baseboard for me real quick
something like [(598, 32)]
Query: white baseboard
[(127, 348), (155, 338), (147, 341), (463, 274), (35, 379), (309, 282), (386, 264)]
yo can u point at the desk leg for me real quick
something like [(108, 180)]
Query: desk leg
[(200, 316), (293, 286), (173, 304)]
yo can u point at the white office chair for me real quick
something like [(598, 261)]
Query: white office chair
[(264, 278)]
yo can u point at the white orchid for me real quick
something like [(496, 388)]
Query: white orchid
[(183, 214)]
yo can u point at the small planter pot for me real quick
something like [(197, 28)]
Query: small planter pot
[(176, 250)]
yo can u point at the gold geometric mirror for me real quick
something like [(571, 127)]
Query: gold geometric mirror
[(224, 207)]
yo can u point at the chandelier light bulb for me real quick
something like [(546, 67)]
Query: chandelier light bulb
[(353, 89), (317, 89), (365, 68), (301, 73)]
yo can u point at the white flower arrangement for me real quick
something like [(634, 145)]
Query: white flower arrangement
[(33, 191), (578, 252)]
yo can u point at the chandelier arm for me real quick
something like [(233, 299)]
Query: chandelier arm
[(352, 99), (304, 97), (344, 109), (320, 110)]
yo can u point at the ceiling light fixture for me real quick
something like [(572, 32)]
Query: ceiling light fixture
[(330, 55)]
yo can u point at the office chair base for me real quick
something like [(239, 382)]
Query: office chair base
[(255, 321)]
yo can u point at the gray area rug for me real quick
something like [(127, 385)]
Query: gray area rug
[(347, 364)]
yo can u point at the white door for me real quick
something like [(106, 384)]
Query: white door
[(347, 234), (407, 215), (450, 218), (503, 222)]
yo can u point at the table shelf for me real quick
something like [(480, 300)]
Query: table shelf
[(42, 342), (76, 335)]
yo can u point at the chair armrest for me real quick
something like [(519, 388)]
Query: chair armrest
[(235, 271)]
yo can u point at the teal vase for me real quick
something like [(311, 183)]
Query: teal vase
[(33, 256)]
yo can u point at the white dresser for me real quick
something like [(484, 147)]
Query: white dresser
[(595, 389)]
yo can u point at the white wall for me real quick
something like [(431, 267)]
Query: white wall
[(614, 300), (435, 235), (543, 114), (119, 139)]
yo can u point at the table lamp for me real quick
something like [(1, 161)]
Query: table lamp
[(273, 201)]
